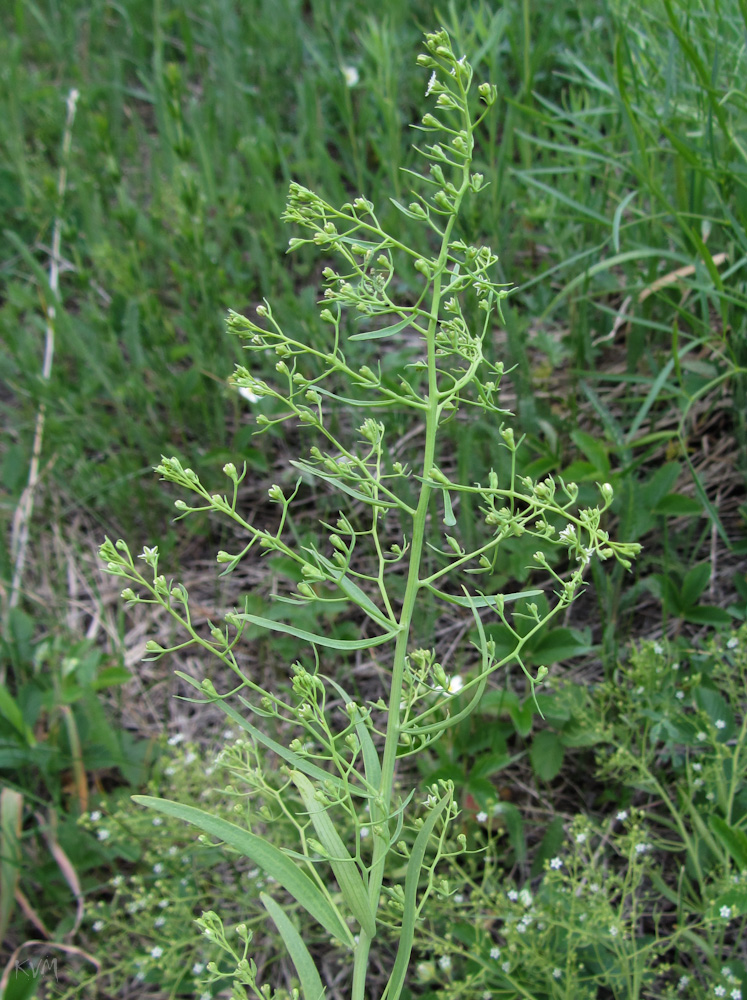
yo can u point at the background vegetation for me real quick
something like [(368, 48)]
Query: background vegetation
[(617, 158)]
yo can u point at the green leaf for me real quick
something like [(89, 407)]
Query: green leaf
[(317, 640), (717, 709), (311, 984), (409, 914), (385, 331), (344, 867), (677, 505), (733, 839), (594, 450), (550, 845), (546, 754), (10, 710), (271, 860), (511, 816), (695, 582), (707, 614), (559, 644), (11, 813)]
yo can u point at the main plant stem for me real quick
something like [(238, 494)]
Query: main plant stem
[(380, 808)]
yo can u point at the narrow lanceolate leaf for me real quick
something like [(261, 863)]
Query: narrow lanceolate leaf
[(344, 867), (311, 984), (385, 331), (318, 640), (409, 915), (733, 839), (11, 809), (271, 860)]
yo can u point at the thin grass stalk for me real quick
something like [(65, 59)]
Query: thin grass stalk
[(24, 510)]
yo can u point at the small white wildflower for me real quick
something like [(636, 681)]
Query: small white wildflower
[(487, 995), (725, 912), (680, 695), (732, 643), (658, 648), (190, 758), (455, 684), (701, 736), (117, 881), (526, 897), (172, 850), (736, 994), (675, 666), (581, 837), (95, 816), (177, 738), (521, 927), (512, 895), (594, 887), (720, 724), (98, 925), (622, 815), (568, 533), (163, 904), (159, 921), (726, 971), (197, 968), (206, 996), (641, 848), (506, 967), (431, 84), (103, 834), (169, 771), (157, 868), (581, 917), (556, 863), (710, 796), (228, 734), (482, 816), (444, 963), (698, 783), (557, 973), (364, 832), (458, 897), (697, 767), (157, 821), (614, 931), (156, 952), (640, 689), (719, 991), (495, 952), (350, 74), (683, 981)]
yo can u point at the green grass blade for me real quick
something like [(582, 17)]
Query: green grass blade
[(311, 984), (11, 811), (262, 853), (317, 640)]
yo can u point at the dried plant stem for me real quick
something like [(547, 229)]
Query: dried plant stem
[(22, 516)]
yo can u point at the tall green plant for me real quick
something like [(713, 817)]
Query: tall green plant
[(341, 764)]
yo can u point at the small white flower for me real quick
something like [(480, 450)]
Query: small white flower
[(641, 848), (710, 796), (683, 981), (614, 931), (680, 695), (526, 897), (521, 927), (495, 952), (177, 738), (732, 643), (431, 84), (157, 868), (103, 834), (581, 837), (697, 767), (658, 648), (117, 881), (556, 863), (557, 973), (698, 783), (351, 75), (701, 736), (197, 968), (159, 921), (719, 991), (675, 666), (512, 895), (726, 971), (458, 897), (482, 816), (736, 994), (455, 684), (594, 887), (725, 912), (506, 967), (190, 758), (157, 821), (568, 533), (622, 815), (364, 832), (444, 963), (206, 996), (720, 724), (156, 952), (95, 816), (98, 925)]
